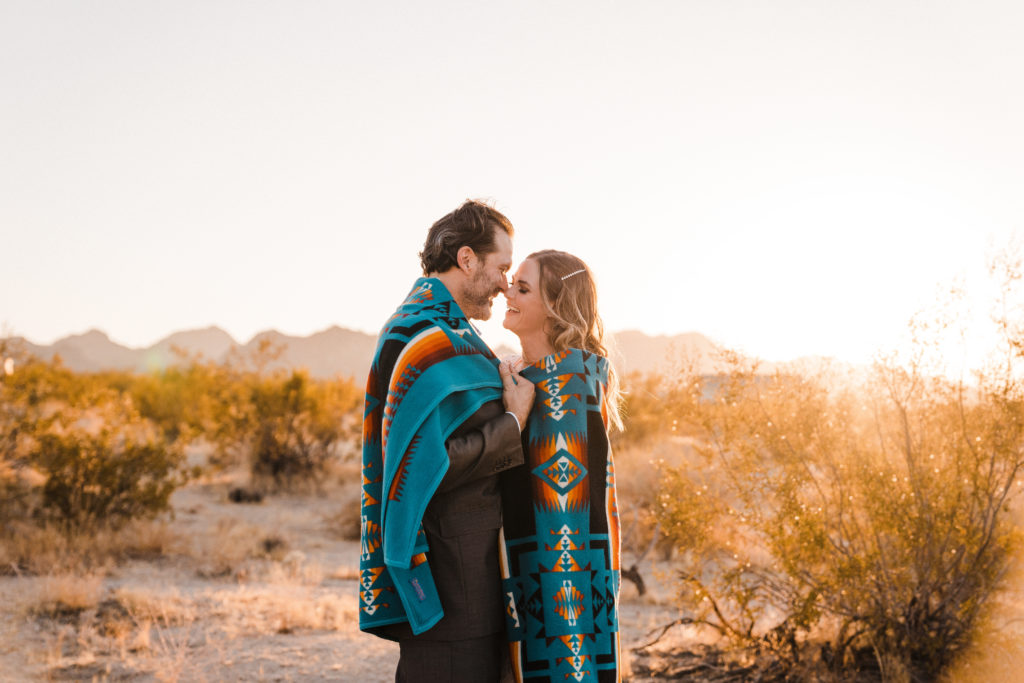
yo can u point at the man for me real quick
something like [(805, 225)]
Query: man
[(441, 421)]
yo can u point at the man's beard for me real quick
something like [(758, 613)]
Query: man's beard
[(477, 297)]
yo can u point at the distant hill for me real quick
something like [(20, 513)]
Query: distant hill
[(334, 351), (88, 352), (339, 351), (634, 351), (328, 353), (210, 343)]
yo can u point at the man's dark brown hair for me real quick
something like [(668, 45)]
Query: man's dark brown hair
[(471, 225)]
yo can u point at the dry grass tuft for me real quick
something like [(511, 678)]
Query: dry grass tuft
[(167, 644), (168, 608), (144, 539), (346, 522), (345, 573), (66, 596), (222, 552), (43, 549), (329, 612), (294, 569), (31, 549), (285, 609), (113, 620), (156, 627)]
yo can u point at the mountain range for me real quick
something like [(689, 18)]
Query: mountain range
[(331, 352)]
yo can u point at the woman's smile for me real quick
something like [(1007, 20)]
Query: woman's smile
[(526, 311)]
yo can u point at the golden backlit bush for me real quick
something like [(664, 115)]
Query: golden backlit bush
[(76, 452), (89, 451), (288, 426), (647, 415), (870, 518)]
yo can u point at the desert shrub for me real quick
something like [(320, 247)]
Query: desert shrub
[(176, 399), (13, 490), (652, 436), (80, 453), (872, 517), (284, 425), (288, 426), (31, 396), (104, 478), (104, 464), (646, 411), (295, 426)]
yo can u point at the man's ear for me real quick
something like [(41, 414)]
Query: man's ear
[(466, 259)]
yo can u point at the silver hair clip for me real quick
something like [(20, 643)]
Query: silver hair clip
[(575, 272)]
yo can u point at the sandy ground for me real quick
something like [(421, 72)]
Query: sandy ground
[(252, 592), (268, 592)]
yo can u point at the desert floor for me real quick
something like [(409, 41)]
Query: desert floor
[(266, 591), (233, 592)]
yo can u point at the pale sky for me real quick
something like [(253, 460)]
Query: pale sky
[(788, 178)]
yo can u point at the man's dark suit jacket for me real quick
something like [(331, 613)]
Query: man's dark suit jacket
[(461, 524)]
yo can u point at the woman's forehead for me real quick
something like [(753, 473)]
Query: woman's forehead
[(528, 271)]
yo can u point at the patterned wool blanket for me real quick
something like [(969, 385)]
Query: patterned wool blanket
[(431, 371), (560, 543)]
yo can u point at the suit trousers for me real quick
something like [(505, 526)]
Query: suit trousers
[(474, 660)]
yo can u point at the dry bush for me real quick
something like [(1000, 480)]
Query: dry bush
[(289, 427), (157, 627), (106, 475), (646, 412), (652, 438), (850, 531), (638, 474), (872, 519), (76, 451), (996, 652)]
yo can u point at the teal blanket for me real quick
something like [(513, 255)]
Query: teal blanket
[(430, 372), (560, 542)]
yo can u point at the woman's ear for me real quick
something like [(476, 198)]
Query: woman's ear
[(466, 259)]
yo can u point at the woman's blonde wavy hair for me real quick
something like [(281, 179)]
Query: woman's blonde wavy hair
[(570, 297)]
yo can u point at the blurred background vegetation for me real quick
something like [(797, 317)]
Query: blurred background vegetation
[(87, 451), (825, 524)]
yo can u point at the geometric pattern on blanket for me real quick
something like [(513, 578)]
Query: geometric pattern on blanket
[(430, 372), (560, 539)]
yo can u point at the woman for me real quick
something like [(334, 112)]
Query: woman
[(560, 542)]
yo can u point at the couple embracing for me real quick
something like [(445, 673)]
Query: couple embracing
[(490, 535)]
